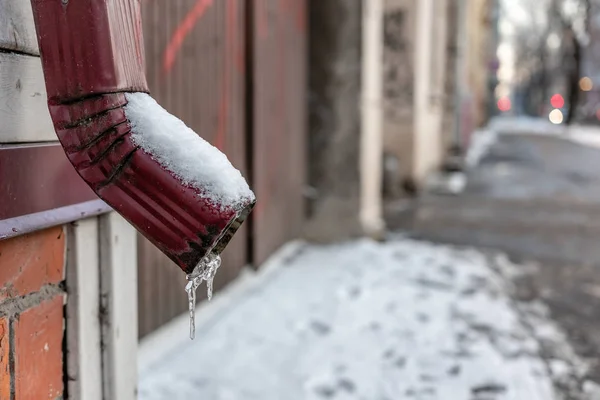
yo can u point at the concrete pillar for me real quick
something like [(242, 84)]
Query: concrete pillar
[(429, 88), (334, 119), (371, 155), (398, 81)]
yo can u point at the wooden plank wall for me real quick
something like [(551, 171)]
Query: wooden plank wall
[(203, 58), (17, 30), (195, 54), (24, 114), (279, 123)]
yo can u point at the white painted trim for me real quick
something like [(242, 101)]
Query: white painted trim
[(162, 342), (371, 149), (118, 283), (23, 103), (426, 134), (84, 361), (459, 68)]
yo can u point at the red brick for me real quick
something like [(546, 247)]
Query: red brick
[(38, 351), (30, 261), (4, 363)]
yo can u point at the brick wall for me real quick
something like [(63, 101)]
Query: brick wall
[(31, 315)]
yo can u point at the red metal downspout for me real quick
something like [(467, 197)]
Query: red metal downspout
[(92, 54)]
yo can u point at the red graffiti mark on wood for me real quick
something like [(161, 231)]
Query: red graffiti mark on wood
[(295, 10), (277, 125), (182, 31), (228, 53), (285, 6), (237, 47), (262, 18), (282, 128), (301, 16)]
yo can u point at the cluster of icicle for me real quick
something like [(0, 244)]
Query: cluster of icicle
[(204, 271)]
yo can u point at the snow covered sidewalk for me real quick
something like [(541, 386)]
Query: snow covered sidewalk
[(367, 321), (586, 135)]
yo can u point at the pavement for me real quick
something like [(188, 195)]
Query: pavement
[(507, 308), (532, 191), (366, 320)]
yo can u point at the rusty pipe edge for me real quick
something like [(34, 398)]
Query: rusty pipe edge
[(92, 54)]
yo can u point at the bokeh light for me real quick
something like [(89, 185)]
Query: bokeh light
[(586, 84), (557, 101), (504, 104), (556, 117)]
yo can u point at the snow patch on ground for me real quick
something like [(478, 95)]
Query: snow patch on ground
[(524, 124), (375, 321), (586, 135), (180, 150), (481, 142)]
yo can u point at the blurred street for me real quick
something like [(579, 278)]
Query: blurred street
[(536, 196), (401, 319)]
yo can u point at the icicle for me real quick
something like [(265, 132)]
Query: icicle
[(191, 292), (209, 288), (204, 271)]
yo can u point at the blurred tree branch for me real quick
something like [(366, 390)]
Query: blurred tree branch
[(549, 37)]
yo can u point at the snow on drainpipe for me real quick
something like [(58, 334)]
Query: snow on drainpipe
[(179, 191), (371, 154)]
